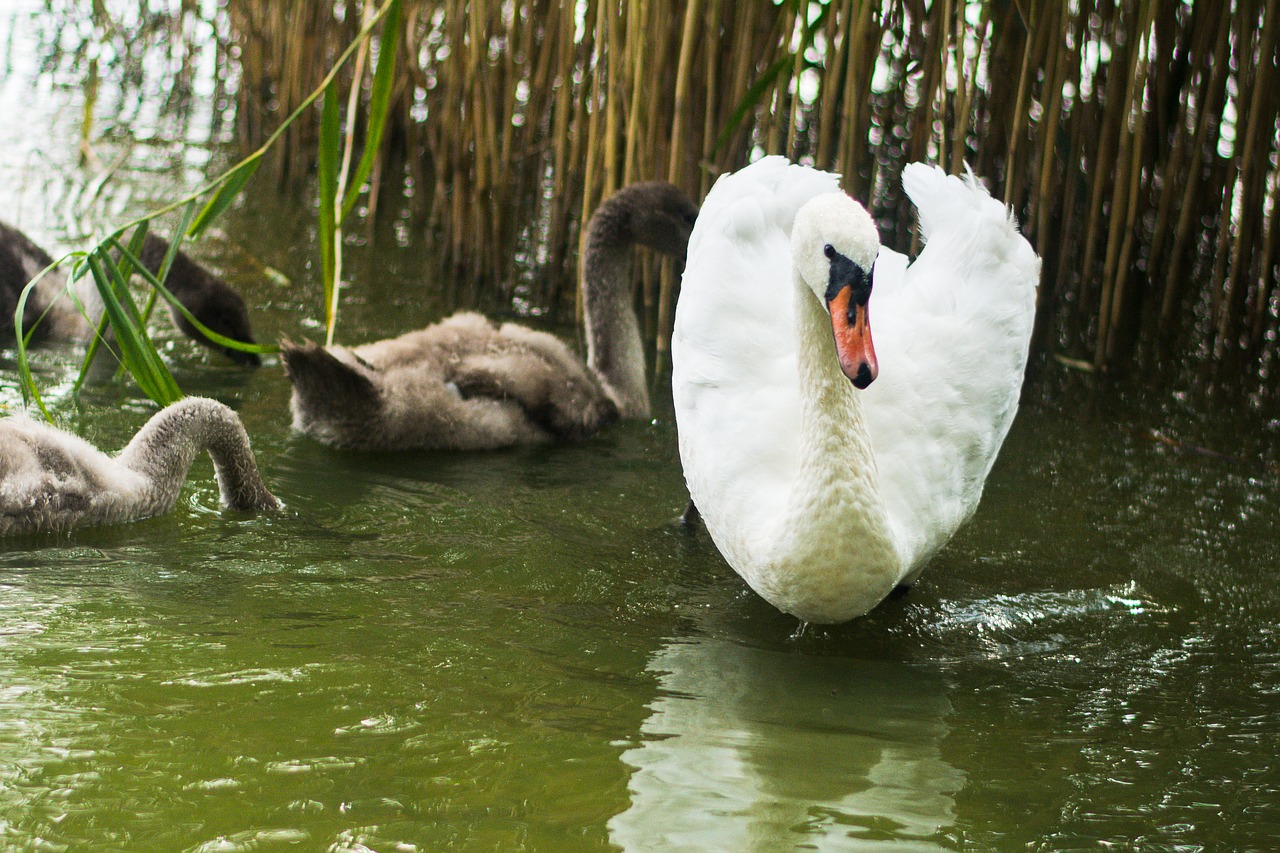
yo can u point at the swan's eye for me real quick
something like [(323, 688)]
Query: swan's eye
[(829, 250)]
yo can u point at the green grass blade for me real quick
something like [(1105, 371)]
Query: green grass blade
[(755, 95), (158, 287), (136, 241), (100, 325), (327, 178), (175, 245), (137, 352), (30, 391), (232, 183), (379, 106), (132, 254), (751, 100)]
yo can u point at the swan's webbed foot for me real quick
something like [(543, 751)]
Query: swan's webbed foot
[(690, 518)]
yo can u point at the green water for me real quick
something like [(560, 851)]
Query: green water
[(521, 650)]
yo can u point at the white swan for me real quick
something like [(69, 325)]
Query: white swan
[(53, 480), (467, 383), (210, 300), (823, 497)]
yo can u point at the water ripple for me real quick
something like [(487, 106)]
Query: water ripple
[(244, 676), (251, 840)]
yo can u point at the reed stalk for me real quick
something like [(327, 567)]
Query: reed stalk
[(1135, 140)]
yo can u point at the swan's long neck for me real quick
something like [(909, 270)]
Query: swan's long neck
[(165, 447), (615, 350), (833, 530)]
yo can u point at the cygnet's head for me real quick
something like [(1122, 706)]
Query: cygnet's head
[(221, 309), (834, 245), (210, 299), (661, 215)]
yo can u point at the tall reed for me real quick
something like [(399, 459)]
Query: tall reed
[(1136, 140)]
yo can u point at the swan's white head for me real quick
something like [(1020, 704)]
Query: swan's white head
[(834, 245)]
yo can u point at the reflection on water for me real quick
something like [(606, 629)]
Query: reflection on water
[(757, 749), (156, 102)]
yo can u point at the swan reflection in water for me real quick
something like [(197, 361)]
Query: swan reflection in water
[(758, 749)]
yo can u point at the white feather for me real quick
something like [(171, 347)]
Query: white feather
[(951, 332)]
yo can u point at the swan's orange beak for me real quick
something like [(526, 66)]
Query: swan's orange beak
[(852, 327)]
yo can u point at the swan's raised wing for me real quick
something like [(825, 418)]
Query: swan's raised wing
[(734, 348), (951, 335)]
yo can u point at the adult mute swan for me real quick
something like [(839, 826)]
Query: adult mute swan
[(210, 300), (53, 480), (822, 496), (467, 383)]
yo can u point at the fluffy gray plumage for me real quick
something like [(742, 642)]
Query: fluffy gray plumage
[(53, 480), (467, 383), (210, 300)]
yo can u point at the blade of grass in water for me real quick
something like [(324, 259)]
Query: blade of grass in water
[(100, 331), (327, 178), (379, 106), (232, 183), (30, 391), (157, 284), (166, 263), (137, 352)]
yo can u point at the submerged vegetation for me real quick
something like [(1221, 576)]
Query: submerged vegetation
[(1136, 141)]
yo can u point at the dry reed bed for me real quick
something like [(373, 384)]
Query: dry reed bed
[(1137, 141)]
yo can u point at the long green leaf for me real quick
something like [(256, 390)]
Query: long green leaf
[(157, 279), (755, 95), (232, 183), (751, 100), (166, 263), (30, 392), (137, 352), (379, 106), (99, 337), (327, 178), (100, 326), (157, 285)]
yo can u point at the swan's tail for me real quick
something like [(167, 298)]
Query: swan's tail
[(327, 389)]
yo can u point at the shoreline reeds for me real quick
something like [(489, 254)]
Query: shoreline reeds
[(1136, 141)]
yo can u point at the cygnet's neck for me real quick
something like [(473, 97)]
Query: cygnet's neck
[(183, 276), (835, 553), (165, 447), (615, 350)]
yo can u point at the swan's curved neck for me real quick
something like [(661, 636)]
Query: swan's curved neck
[(165, 447), (615, 350), (834, 524)]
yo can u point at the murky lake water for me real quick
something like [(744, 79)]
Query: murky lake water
[(521, 650)]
